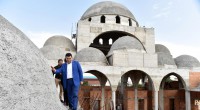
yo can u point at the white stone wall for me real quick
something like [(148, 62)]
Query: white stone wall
[(88, 31), (114, 73), (132, 58)]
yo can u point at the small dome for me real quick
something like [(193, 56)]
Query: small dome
[(126, 42), (60, 41), (164, 55), (162, 48), (91, 55), (52, 52), (165, 59), (186, 61), (107, 8)]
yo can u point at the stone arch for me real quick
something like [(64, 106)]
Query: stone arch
[(100, 96), (172, 93), (136, 76), (115, 34), (143, 72), (101, 77), (174, 74)]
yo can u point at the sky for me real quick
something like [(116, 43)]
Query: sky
[(176, 22)]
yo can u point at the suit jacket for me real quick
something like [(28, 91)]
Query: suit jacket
[(76, 72)]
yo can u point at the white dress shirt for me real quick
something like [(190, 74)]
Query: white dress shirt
[(69, 70)]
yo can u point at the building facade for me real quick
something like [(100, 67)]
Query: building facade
[(141, 75)]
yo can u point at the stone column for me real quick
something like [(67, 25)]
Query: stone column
[(156, 99), (136, 98), (114, 99), (161, 99), (187, 100), (102, 97)]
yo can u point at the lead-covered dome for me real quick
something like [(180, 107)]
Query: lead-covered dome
[(161, 48), (92, 56), (52, 52), (185, 61), (107, 8), (126, 42), (60, 41), (25, 79), (164, 55)]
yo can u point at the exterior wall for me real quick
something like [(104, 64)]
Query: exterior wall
[(129, 102), (194, 79), (114, 73), (88, 31), (178, 96), (133, 59), (111, 19), (194, 96), (88, 94)]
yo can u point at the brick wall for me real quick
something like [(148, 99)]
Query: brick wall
[(194, 79)]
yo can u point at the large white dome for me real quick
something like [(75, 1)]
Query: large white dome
[(107, 8)]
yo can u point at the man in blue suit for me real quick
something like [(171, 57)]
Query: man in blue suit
[(72, 77)]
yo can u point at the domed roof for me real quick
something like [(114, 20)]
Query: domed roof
[(60, 41), (52, 52), (165, 59), (91, 55), (161, 48), (107, 8), (23, 72), (186, 61), (126, 42)]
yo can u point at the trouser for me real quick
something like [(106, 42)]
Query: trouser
[(66, 98), (60, 89), (72, 93)]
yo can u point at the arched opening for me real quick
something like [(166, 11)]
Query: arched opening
[(105, 46), (103, 19), (110, 41), (95, 92), (90, 19), (101, 41), (130, 22), (136, 91), (172, 93), (117, 19)]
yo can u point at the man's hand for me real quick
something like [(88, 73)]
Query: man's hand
[(53, 69)]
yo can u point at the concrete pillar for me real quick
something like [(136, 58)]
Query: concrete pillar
[(102, 97), (161, 99), (156, 99), (136, 98), (187, 100), (114, 99)]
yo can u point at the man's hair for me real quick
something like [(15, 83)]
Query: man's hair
[(59, 60), (68, 55)]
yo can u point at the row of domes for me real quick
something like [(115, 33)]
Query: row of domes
[(61, 44)]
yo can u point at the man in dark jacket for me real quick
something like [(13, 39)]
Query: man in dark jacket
[(58, 80)]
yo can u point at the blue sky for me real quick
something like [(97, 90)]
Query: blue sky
[(176, 22)]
